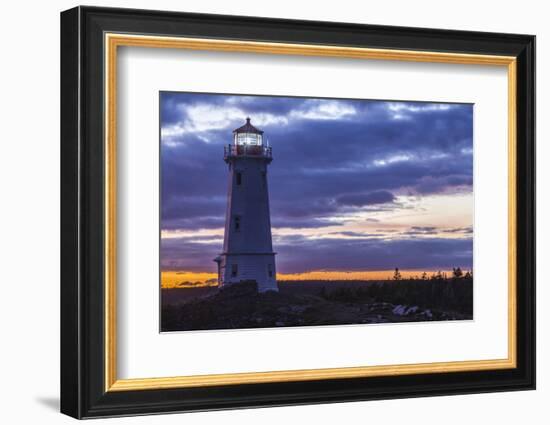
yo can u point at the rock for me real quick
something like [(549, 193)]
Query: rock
[(411, 310), (399, 310), (298, 308)]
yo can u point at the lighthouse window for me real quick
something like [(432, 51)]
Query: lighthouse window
[(234, 270), (237, 223), (270, 270), (239, 178)]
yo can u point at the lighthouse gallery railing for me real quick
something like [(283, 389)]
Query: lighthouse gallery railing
[(247, 150)]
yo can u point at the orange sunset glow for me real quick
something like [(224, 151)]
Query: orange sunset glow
[(186, 279)]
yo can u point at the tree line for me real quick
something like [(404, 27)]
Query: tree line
[(456, 274)]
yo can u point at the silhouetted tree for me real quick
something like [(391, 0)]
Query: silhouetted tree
[(457, 273), (424, 276), (396, 274)]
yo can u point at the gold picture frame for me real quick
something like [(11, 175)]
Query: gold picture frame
[(114, 41)]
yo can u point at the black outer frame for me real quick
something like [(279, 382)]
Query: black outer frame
[(82, 219)]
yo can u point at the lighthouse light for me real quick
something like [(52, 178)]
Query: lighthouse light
[(248, 135), (249, 139)]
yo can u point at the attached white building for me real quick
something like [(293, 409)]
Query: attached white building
[(247, 247)]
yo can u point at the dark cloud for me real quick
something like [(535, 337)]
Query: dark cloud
[(297, 223), (421, 230), (374, 254), (297, 254), (465, 230), (362, 199), (184, 254), (194, 223), (358, 234)]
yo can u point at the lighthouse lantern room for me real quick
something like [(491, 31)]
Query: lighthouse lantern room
[(247, 248)]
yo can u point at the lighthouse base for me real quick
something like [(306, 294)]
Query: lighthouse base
[(236, 268)]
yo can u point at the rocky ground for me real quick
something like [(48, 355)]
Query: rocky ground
[(241, 306)]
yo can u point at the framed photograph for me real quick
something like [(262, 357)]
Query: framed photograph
[(261, 212)]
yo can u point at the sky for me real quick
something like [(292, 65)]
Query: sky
[(355, 185)]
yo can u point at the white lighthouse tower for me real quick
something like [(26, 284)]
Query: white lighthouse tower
[(247, 247)]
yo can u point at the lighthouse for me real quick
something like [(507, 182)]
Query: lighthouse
[(247, 248)]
